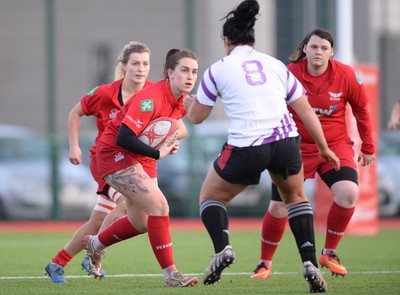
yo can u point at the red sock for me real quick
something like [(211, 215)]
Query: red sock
[(272, 231), (118, 231), (160, 239), (338, 219), (62, 258)]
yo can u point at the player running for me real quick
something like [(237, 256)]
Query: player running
[(103, 102), (129, 166)]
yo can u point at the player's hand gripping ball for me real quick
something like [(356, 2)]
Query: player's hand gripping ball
[(158, 131)]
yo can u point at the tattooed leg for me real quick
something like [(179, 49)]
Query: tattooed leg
[(129, 180), (140, 191)]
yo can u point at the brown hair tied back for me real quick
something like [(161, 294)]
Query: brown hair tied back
[(174, 56)]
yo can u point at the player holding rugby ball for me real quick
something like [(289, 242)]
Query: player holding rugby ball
[(129, 166)]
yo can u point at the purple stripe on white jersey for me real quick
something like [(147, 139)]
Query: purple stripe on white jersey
[(292, 91), (210, 75), (207, 92), (279, 132), (275, 136), (256, 140), (288, 123)]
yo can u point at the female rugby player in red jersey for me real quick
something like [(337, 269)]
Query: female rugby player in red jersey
[(129, 166), (331, 86), (103, 102)]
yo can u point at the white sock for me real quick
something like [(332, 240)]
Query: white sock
[(168, 270), (327, 251), (97, 245)]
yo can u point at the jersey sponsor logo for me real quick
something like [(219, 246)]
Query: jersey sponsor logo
[(91, 92), (335, 96), (113, 113), (325, 112), (146, 105), (137, 122), (333, 108), (119, 156)]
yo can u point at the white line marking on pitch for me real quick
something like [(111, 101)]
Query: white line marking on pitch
[(191, 274)]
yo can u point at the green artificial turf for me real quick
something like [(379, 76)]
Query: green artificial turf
[(373, 264)]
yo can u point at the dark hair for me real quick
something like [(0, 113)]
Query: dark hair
[(239, 24), (299, 54), (174, 56)]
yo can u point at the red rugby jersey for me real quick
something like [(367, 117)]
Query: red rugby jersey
[(102, 102), (146, 105), (328, 94)]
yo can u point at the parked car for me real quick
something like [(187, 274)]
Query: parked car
[(389, 173), (25, 182), (180, 176)]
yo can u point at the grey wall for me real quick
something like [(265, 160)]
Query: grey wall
[(91, 33), (82, 29)]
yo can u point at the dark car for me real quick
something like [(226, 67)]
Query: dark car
[(180, 176), (25, 179)]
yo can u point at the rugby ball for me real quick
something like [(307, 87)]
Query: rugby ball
[(158, 130)]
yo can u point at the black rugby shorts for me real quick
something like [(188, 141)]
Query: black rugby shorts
[(245, 164)]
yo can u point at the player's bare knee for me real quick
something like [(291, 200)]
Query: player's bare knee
[(294, 199)]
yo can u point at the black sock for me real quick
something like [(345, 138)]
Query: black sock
[(215, 219), (301, 224)]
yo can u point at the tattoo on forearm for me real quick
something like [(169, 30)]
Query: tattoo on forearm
[(128, 180)]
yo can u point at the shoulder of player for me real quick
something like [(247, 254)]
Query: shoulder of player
[(148, 83), (106, 89), (152, 89), (150, 96), (347, 73), (292, 67), (296, 68), (341, 68), (111, 87)]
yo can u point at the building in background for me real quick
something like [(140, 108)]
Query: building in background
[(90, 33)]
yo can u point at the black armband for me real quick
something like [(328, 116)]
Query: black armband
[(127, 139)]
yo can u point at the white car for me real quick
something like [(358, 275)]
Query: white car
[(180, 176), (25, 182), (389, 173)]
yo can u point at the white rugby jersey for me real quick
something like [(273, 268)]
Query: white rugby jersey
[(255, 89)]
